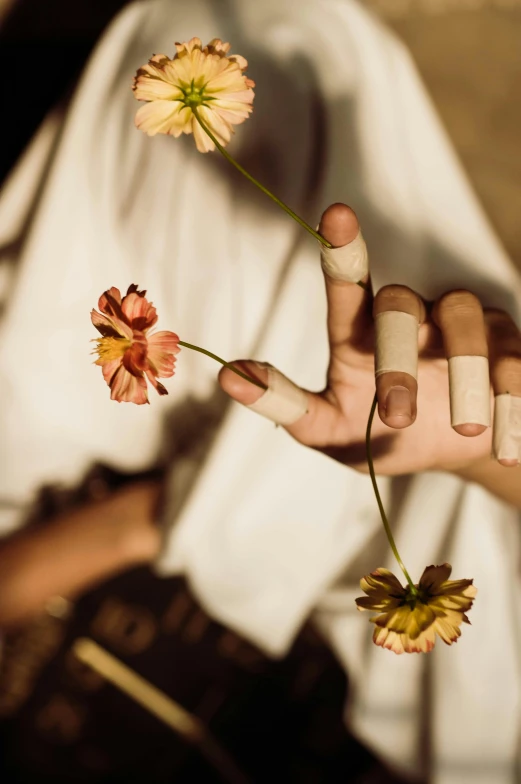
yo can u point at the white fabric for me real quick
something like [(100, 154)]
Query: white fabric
[(268, 526)]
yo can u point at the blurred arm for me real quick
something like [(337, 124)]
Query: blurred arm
[(77, 550)]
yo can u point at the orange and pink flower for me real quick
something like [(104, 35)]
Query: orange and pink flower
[(128, 355)]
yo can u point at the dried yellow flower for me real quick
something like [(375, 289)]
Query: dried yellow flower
[(408, 620)]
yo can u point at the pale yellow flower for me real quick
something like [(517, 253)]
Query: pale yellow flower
[(409, 622), (207, 79)]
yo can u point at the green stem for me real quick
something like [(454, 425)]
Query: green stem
[(259, 185), (223, 362), (265, 190), (378, 498)]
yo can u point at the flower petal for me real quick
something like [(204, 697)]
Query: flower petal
[(160, 389), (127, 388), (161, 117), (376, 603), (162, 347), (141, 314), (109, 368), (230, 80), (202, 140), (434, 576), (111, 295), (135, 358), (424, 643), (149, 88), (390, 640), (458, 587), (110, 327), (447, 630), (382, 582), (104, 325)]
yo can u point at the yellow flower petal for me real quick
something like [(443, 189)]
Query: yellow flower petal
[(206, 78), (162, 117), (147, 88), (409, 619)]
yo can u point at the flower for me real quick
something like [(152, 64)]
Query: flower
[(408, 620), (125, 352), (205, 79)]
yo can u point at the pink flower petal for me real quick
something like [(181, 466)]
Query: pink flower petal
[(109, 368), (127, 388), (110, 327), (162, 347), (135, 358), (111, 294), (141, 314), (160, 389)]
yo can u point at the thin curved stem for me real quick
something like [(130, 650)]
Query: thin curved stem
[(385, 521), (279, 202), (224, 363), (259, 185)]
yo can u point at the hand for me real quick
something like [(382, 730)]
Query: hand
[(413, 431)]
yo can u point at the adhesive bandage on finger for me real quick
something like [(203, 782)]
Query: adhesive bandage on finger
[(469, 389), (506, 439), (349, 263), (283, 402), (396, 343)]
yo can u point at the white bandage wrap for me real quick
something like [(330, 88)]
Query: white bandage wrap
[(396, 343), (349, 263), (469, 388), (283, 402), (506, 439)]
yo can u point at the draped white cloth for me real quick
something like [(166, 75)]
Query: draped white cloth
[(266, 531)]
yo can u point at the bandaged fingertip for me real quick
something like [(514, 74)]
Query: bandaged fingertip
[(283, 402), (469, 389), (396, 340), (349, 263), (506, 438)]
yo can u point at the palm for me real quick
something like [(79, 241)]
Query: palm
[(429, 443)]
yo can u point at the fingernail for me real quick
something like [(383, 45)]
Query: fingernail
[(398, 402)]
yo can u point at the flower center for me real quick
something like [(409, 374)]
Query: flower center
[(112, 348), (193, 95), (413, 597)]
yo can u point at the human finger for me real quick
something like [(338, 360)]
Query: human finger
[(344, 265), (309, 417), (459, 316), (398, 312), (504, 342)]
